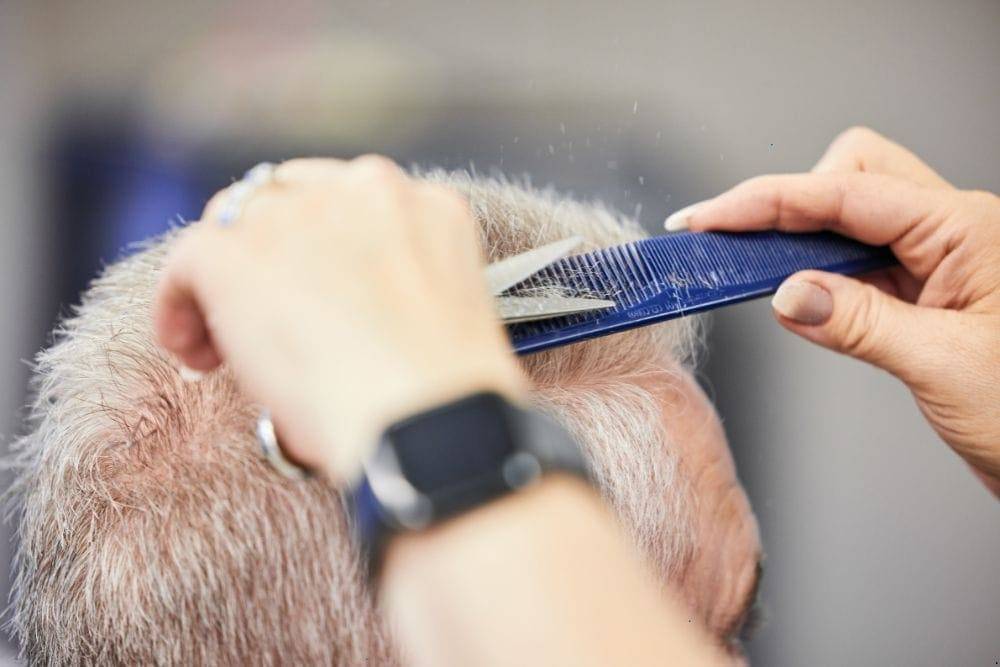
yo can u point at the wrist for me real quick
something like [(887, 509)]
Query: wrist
[(462, 592), (508, 524), (545, 576), (450, 460)]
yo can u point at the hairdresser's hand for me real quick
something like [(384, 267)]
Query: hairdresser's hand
[(344, 297), (934, 322)]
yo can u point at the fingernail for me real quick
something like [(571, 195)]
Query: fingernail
[(803, 301), (680, 219), (190, 374)]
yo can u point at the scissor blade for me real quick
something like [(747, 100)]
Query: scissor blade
[(530, 308), (509, 271)]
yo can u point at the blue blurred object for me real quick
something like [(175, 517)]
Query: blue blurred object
[(113, 187), (148, 193)]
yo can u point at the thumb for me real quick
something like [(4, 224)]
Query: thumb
[(857, 319)]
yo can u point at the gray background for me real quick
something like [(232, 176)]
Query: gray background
[(881, 547)]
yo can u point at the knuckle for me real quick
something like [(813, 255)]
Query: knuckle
[(377, 169), (983, 199), (857, 135), (851, 145)]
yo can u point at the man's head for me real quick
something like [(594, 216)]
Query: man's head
[(151, 531)]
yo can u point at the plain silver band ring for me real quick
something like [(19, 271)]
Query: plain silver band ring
[(269, 446)]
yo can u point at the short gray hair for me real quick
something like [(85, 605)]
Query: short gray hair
[(151, 532)]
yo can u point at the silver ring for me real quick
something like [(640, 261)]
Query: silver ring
[(241, 191), (271, 449)]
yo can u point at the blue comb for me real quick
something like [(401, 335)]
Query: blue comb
[(670, 276)]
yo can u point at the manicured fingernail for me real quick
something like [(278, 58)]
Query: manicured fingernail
[(190, 374), (803, 301), (680, 219)]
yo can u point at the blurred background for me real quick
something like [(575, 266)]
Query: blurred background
[(119, 117)]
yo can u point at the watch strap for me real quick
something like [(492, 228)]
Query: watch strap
[(452, 459)]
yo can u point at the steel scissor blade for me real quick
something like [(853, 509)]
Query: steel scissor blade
[(530, 308), (507, 272)]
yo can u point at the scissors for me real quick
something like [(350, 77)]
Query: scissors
[(508, 272)]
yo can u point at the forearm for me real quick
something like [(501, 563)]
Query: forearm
[(541, 577)]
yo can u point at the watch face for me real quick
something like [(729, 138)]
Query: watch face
[(456, 444)]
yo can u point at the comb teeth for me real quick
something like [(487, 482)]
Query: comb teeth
[(668, 276)]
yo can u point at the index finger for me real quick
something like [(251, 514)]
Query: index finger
[(874, 209)]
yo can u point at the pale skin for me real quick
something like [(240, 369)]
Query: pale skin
[(933, 322), (348, 296)]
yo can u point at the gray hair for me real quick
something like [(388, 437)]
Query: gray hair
[(150, 531)]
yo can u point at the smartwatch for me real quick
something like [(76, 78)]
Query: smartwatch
[(452, 459)]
